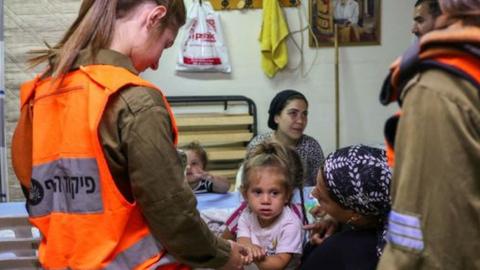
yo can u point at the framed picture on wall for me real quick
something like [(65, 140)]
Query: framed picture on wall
[(358, 22)]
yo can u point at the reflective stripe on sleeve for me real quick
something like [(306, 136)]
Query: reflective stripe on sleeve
[(411, 232), (404, 231), (405, 242), (403, 219)]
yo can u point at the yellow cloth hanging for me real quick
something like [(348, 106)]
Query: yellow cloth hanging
[(273, 42)]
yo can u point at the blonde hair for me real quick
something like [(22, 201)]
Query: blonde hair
[(93, 28), (274, 154)]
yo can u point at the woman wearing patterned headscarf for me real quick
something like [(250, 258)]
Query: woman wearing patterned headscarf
[(353, 188)]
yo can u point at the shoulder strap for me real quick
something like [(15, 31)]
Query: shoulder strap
[(22, 139), (462, 61), (467, 68), (114, 78), (400, 72)]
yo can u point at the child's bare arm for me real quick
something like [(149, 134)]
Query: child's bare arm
[(255, 252), (227, 234), (274, 262), (244, 241), (220, 183)]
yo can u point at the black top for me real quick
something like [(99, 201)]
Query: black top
[(346, 250)]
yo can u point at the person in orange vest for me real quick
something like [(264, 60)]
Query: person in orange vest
[(435, 217), (94, 149)]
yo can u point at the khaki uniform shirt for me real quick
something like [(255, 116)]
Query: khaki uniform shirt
[(136, 136), (436, 182)]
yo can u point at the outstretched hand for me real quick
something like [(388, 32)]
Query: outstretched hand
[(196, 176), (238, 256), (255, 253)]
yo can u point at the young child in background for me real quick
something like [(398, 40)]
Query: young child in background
[(269, 228), (200, 180)]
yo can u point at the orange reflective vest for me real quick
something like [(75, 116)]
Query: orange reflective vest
[(457, 63), (84, 220)]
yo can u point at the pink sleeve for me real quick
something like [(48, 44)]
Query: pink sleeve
[(291, 239), (244, 225)]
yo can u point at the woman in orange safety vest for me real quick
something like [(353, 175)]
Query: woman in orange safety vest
[(95, 152)]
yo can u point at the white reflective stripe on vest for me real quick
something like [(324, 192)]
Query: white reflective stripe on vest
[(144, 249), (166, 259), (68, 185)]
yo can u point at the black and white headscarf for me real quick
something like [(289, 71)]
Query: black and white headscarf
[(358, 178)]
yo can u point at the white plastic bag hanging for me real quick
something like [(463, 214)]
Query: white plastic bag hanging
[(202, 48)]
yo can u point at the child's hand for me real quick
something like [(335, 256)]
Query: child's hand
[(237, 257), (255, 253), (195, 176), (200, 175)]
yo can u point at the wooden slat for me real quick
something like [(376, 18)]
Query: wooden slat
[(7, 222), (232, 173), (20, 252), (22, 263), (195, 120), (21, 226), (215, 138), (223, 135), (226, 153), (222, 165), (19, 244)]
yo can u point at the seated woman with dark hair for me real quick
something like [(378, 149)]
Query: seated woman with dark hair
[(288, 117), (354, 189)]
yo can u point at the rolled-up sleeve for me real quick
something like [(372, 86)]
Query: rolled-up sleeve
[(158, 185)]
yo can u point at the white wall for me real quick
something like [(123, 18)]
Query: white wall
[(362, 70)]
